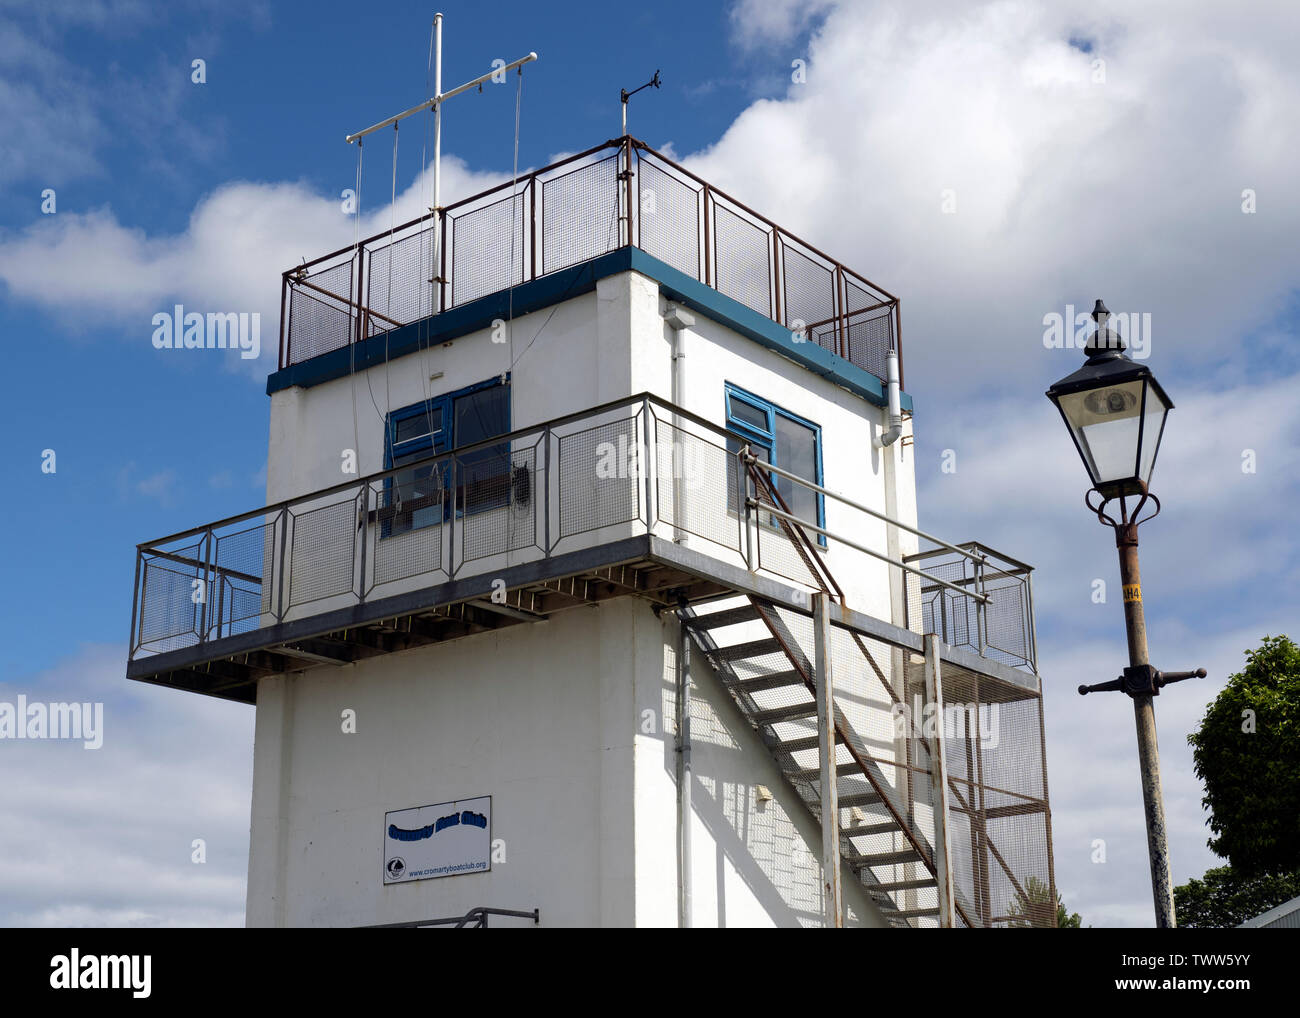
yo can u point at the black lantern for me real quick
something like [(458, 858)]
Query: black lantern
[(1115, 410)]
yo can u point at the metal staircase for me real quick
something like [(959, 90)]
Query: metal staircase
[(751, 647)]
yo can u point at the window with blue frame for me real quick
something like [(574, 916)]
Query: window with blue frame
[(425, 493), (785, 440)]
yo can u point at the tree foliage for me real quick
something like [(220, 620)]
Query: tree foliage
[(1033, 908), (1247, 752), (1224, 898)]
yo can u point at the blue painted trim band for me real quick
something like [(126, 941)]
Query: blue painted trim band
[(565, 285)]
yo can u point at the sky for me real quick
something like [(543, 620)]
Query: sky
[(990, 163)]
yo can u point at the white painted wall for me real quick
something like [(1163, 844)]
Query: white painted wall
[(567, 725)]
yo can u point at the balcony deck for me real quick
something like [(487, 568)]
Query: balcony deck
[(325, 579), (621, 194)]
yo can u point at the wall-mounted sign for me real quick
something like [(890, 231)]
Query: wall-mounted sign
[(442, 840)]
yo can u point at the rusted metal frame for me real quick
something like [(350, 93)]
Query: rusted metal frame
[(757, 215), (979, 889), (284, 319), (1047, 811), (349, 302), (778, 277), (860, 311), (842, 730), (611, 143), (977, 793), (982, 862), (708, 253)]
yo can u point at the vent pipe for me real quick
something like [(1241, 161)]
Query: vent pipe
[(891, 434)]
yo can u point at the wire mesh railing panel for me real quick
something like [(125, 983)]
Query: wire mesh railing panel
[(600, 476), (580, 214), (1001, 629), (397, 281), (997, 797), (571, 212), (408, 532), (498, 502), (172, 592), (809, 289), (868, 329), (776, 553), (317, 323), (322, 549), (698, 489), (742, 259), (669, 221), (240, 560), (487, 248)]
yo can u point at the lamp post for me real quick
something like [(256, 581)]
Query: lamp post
[(1115, 410)]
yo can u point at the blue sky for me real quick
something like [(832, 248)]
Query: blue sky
[(1068, 188)]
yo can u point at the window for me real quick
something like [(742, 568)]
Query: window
[(784, 440), (420, 496)]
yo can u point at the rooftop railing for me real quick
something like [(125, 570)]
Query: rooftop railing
[(634, 466), (621, 193)]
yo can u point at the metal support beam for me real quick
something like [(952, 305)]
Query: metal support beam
[(939, 784), (832, 894)]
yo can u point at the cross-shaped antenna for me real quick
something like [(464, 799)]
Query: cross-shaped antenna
[(625, 95)]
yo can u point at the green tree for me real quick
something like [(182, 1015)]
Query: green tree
[(1033, 908), (1247, 752), (1223, 897)]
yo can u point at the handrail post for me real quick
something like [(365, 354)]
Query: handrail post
[(546, 490), (708, 252), (364, 497), (832, 894), (207, 569), (645, 461), (280, 583), (939, 785), (137, 607)]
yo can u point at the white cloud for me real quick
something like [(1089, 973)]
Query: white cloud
[(103, 837)]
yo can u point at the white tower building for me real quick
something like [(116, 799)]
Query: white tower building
[(568, 531)]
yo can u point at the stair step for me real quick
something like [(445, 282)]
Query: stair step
[(729, 617), (919, 913), (843, 770), (859, 799), (888, 858), (905, 885), (775, 680), (754, 648), (791, 713), (888, 827), (805, 743)]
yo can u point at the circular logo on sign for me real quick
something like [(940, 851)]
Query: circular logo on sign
[(396, 867)]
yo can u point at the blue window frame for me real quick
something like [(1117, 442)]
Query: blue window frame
[(423, 495), (785, 440)]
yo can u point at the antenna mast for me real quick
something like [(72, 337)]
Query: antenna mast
[(625, 95)]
